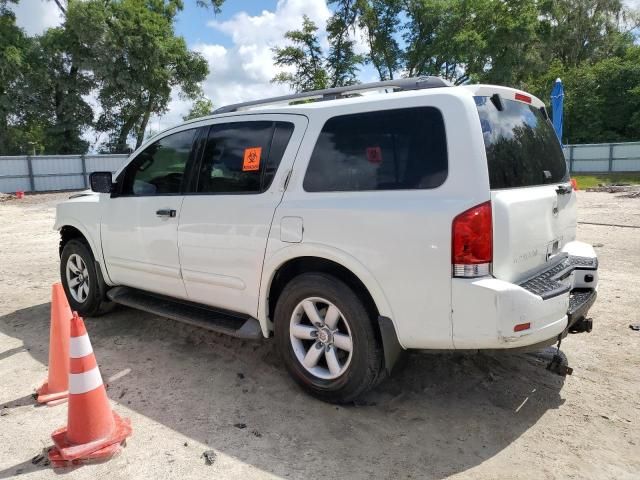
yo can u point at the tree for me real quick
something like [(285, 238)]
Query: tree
[(132, 51), (201, 108), (304, 55), (342, 61)]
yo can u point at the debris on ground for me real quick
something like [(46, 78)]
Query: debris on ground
[(256, 433), (635, 326), (209, 457), (241, 426), (5, 197), (615, 188), (240, 376)]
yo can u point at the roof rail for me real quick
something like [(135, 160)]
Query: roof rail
[(401, 84)]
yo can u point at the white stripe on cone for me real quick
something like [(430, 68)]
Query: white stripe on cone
[(80, 346), (84, 382)]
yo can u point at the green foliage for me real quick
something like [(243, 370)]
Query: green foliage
[(201, 108), (125, 52), (136, 59), (304, 55), (519, 43), (590, 181)]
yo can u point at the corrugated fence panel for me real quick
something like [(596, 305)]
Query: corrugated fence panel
[(67, 172), (104, 163), (15, 171), (626, 157)]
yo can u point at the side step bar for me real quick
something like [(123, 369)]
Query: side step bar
[(228, 323)]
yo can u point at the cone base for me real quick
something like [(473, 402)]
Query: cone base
[(57, 461), (45, 396), (67, 451)]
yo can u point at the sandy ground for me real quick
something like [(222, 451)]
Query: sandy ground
[(442, 416)]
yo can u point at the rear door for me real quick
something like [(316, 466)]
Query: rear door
[(225, 219), (534, 206)]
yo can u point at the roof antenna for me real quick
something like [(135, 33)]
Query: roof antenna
[(497, 101)]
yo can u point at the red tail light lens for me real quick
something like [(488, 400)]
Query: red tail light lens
[(472, 242), (574, 184), (523, 98)]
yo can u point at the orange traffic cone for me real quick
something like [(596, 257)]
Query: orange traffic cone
[(93, 431), (54, 390)]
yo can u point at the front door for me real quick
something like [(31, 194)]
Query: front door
[(225, 220), (140, 222)]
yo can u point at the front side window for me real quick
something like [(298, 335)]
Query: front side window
[(242, 157), (401, 149), (160, 168)]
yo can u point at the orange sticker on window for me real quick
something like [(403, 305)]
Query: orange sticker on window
[(251, 161)]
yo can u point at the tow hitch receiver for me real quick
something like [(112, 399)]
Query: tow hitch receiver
[(559, 363), (582, 325)]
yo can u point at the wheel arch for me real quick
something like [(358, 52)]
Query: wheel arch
[(70, 230), (287, 263)]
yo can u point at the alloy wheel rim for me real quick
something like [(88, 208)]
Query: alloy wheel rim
[(77, 278), (321, 338)]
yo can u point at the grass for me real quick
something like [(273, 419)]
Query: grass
[(588, 181)]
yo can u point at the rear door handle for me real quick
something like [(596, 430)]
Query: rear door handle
[(166, 212)]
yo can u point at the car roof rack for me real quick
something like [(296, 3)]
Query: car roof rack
[(400, 84)]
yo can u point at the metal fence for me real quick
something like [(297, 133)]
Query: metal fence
[(603, 157), (41, 173)]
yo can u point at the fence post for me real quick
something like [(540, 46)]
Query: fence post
[(84, 171), (570, 158), (610, 157), (32, 181)]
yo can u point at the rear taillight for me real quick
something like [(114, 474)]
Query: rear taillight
[(472, 242), (574, 184)]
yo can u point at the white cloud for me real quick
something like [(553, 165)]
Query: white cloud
[(243, 71), (36, 16)]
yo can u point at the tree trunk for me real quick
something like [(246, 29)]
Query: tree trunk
[(121, 145), (145, 121)]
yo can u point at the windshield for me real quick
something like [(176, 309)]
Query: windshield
[(522, 147)]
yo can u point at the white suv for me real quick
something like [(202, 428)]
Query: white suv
[(350, 224)]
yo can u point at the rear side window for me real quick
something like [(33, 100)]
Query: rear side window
[(401, 149), (242, 157), (522, 147)]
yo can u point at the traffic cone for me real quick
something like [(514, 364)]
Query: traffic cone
[(55, 388), (93, 431)]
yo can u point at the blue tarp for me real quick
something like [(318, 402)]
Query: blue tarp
[(557, 104)]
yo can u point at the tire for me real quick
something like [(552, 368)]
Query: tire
[(356, 371), (91, 302)]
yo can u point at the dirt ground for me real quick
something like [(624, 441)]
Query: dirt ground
[(442, 416)]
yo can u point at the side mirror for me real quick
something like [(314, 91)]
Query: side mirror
[(101, 182)]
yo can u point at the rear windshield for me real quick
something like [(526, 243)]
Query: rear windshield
[(522, 147)]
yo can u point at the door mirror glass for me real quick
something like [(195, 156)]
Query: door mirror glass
[(101, 182)]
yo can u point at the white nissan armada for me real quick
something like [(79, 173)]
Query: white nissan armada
[(350, 224)]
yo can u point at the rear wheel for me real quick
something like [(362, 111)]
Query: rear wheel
[(326, 338), (82, 283)]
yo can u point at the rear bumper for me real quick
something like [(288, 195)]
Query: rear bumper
[(486, 311)]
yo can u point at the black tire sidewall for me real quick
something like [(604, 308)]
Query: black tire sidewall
[(366, 356), (91, 306)]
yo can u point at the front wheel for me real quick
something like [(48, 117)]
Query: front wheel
[(326, 338), (82, 283)]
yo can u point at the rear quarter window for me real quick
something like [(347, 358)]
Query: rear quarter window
[(521, 145), (400, 149)]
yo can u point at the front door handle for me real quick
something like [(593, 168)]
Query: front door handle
[(166, 212)]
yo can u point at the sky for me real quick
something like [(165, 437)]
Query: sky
[(236, 43)]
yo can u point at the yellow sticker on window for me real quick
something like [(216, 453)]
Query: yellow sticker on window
[(251, 161)]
